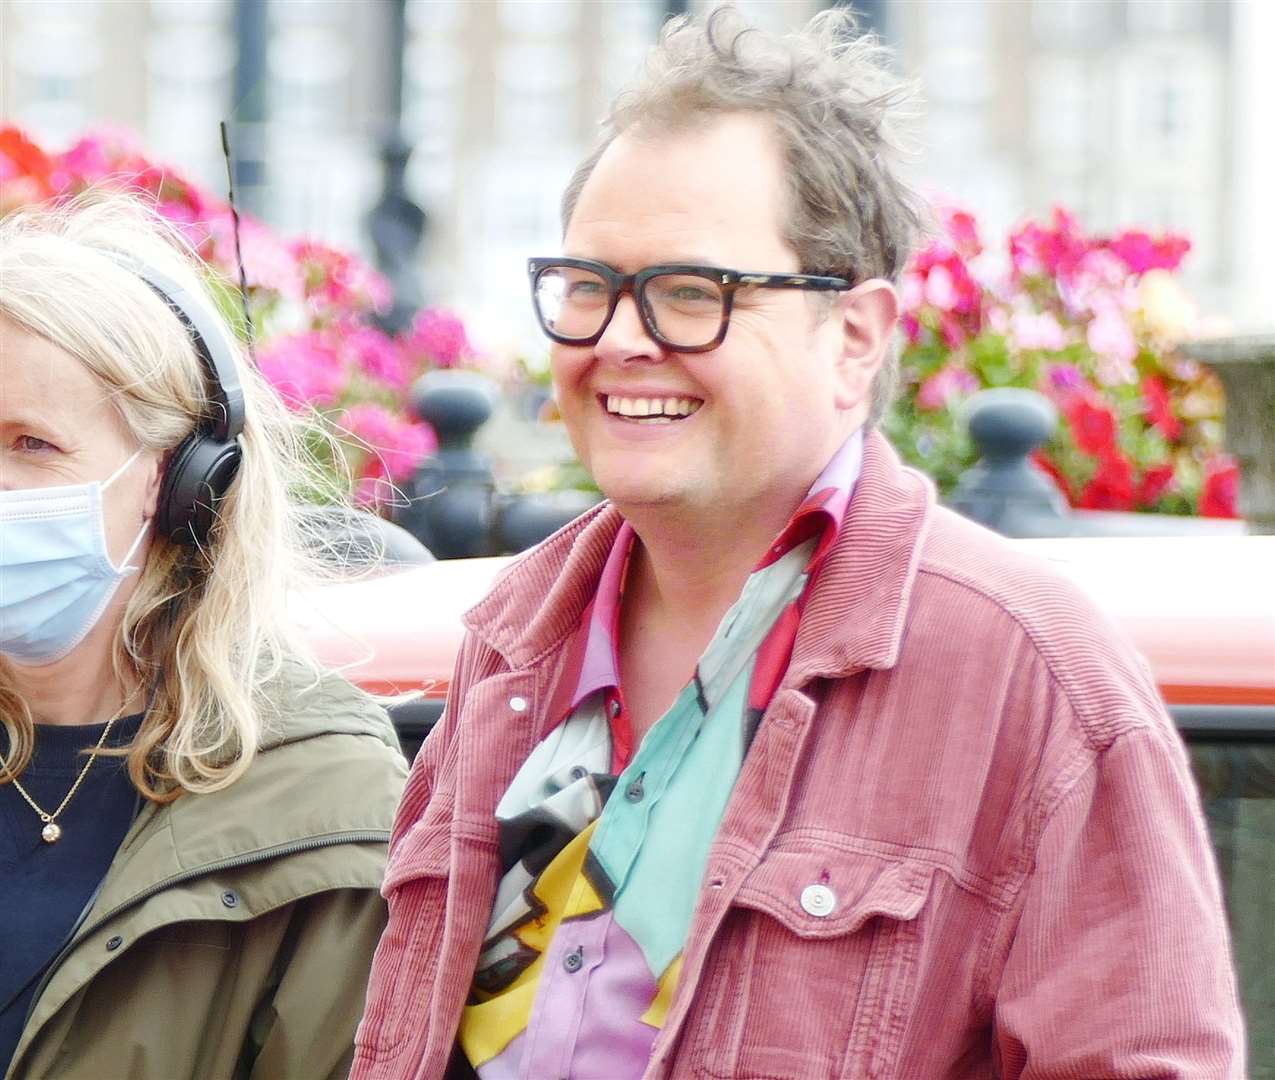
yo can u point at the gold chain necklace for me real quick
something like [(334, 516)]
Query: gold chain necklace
[(52, 831)]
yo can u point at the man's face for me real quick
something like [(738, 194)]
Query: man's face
[(768, 406)]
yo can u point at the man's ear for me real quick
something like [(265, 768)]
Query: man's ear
[(869, 314)]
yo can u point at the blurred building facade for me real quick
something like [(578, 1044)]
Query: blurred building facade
[(1131, 112)]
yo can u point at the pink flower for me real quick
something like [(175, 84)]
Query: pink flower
[(1036, 249), (305, 369), (338, 280), (940, 289), (437, 337), (1037, 331), (1113, 342), (962, 229), (911, 291), (944, 387), (399, 445), (379, 355)]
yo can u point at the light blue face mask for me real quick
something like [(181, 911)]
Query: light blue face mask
[(56, 575)]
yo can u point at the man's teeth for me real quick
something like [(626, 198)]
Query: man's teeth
[(654, 410)]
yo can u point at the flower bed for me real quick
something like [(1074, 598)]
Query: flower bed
[(313, 307), (1092, 322)]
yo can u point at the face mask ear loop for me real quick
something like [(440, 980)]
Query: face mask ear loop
[(137, 541), (121, 470), (124, 568)]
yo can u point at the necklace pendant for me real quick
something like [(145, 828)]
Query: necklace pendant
[(51, 833)]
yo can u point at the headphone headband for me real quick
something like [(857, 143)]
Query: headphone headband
[(213, 344)]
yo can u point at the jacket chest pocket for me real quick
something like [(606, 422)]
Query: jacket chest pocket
[(813, 971)]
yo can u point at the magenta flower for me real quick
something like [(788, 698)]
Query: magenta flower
[(398, 445), (437, 336), (1141, 252), (306, 370), (378, 355)]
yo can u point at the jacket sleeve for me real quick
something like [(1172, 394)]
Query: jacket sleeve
[(305, 1028), (1120, 963)]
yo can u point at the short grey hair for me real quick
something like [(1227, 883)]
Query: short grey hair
[(836, 105)]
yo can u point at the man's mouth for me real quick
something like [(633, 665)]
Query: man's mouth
[(651, 410)]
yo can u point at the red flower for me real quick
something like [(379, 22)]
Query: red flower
[(1045, 464), (1093, 424), (1159, 407), (1112, 485), (1154, 483), (19, 156), (1220, 494)]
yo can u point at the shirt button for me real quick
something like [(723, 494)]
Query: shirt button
[(518, 704), (818, 900), (574, 961), (634, 791), (615, 708)]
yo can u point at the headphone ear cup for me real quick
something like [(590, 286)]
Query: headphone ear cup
[(199, 473)]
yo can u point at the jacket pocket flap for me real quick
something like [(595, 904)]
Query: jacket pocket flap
[(424, 851), (824, 892)]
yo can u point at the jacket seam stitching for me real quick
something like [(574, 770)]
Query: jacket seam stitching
[(1057, 676)]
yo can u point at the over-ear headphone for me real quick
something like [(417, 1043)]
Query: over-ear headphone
[(202, 466)]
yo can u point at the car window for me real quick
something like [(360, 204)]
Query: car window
[(1237, 784)]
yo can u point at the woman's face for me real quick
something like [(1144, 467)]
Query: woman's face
[(58, 427)]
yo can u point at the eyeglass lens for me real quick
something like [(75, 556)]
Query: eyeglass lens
[(686, 309)]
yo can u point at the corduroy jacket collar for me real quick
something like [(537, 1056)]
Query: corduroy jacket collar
[(853, 619)]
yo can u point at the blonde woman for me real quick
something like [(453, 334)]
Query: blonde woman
[(193, 815)]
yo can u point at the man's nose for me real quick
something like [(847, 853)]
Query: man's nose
[(625, 337)]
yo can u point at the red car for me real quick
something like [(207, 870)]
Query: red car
[(1201, 610)]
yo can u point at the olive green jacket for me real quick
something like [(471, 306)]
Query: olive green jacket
[(233, 933)]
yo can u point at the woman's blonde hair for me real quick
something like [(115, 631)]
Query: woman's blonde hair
[(207, 628)]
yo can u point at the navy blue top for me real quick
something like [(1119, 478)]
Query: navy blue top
[(44, 888)]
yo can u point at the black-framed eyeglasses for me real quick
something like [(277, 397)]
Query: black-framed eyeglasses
[(684, 308)]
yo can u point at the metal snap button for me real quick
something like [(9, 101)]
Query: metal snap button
[(114, 943), (578, 772), (230, 899), (574, 961), (818, 900), (518, 704)]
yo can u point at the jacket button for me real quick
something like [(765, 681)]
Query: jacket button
[(574, 961), (114, 943), (518, 704), (230, 899), (818, 900)]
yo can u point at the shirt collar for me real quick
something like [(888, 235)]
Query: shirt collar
[(821, 513)]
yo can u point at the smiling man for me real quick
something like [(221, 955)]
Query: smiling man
[(771, 766)]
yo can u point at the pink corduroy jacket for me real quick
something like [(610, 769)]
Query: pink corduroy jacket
[(964, 753)]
